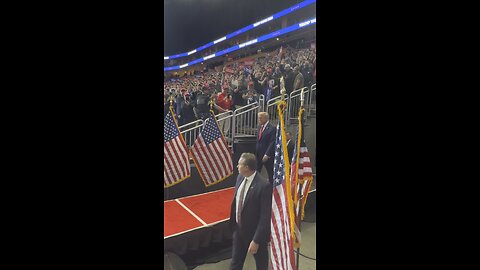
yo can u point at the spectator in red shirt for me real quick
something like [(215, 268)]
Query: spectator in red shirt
[(225, 101)]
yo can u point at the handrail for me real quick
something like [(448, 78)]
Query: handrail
[(312, 97), (223, 115), (294, 102), (187, 131), (195, 123), (271, 108), (244, 115), (246, 107)]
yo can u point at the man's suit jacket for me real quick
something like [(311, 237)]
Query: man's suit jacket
[(256, 212), (266, 144)]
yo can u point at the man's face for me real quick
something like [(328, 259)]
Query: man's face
[(262, 119), (242, 169), (288, 136)]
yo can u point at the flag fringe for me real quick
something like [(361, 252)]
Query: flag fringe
[(281, 108), (184, 145)]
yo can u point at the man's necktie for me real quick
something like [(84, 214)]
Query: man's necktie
[(260, 133), (240, 203)]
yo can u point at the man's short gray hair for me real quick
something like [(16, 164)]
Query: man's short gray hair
[(263, 113)]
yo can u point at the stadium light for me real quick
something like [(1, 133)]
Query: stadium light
[(245, 29), (268, 36)]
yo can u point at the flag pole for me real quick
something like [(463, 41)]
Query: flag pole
[(283, 91), (300, 201), (281, 109), (211, 102), (211, 106), (299, 218), (170, 98)]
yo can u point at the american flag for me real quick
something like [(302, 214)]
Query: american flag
[(301, 176), (176, 165), (211, 154), (281, 238)]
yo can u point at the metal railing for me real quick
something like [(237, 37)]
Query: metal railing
[(271, 109), (224, 121), (245, 121), (312, 101), (191, 131), (261, 102), (295, 102)]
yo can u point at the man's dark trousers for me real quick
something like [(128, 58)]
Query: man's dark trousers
[(240, 247), (268, 167)]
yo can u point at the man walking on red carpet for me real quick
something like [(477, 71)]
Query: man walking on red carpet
[(250, 215), (265, 149)]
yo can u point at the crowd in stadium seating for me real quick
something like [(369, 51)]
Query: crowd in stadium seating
[(259, 31), (239, 84)]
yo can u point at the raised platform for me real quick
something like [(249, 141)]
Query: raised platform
[(197, 221)]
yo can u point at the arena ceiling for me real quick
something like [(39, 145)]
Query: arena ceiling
[(190, 24)]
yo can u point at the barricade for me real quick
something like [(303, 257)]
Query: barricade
[(272, 109), (295, 102), (224, 121), (191, 131), (312, 102), (245, 121)]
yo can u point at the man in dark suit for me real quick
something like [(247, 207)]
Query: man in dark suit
[(265, 148), (250, 215)]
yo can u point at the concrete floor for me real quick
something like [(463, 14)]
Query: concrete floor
[(308, 248)]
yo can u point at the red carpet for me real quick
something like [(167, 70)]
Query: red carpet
[(210, 207), (177, 219)]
